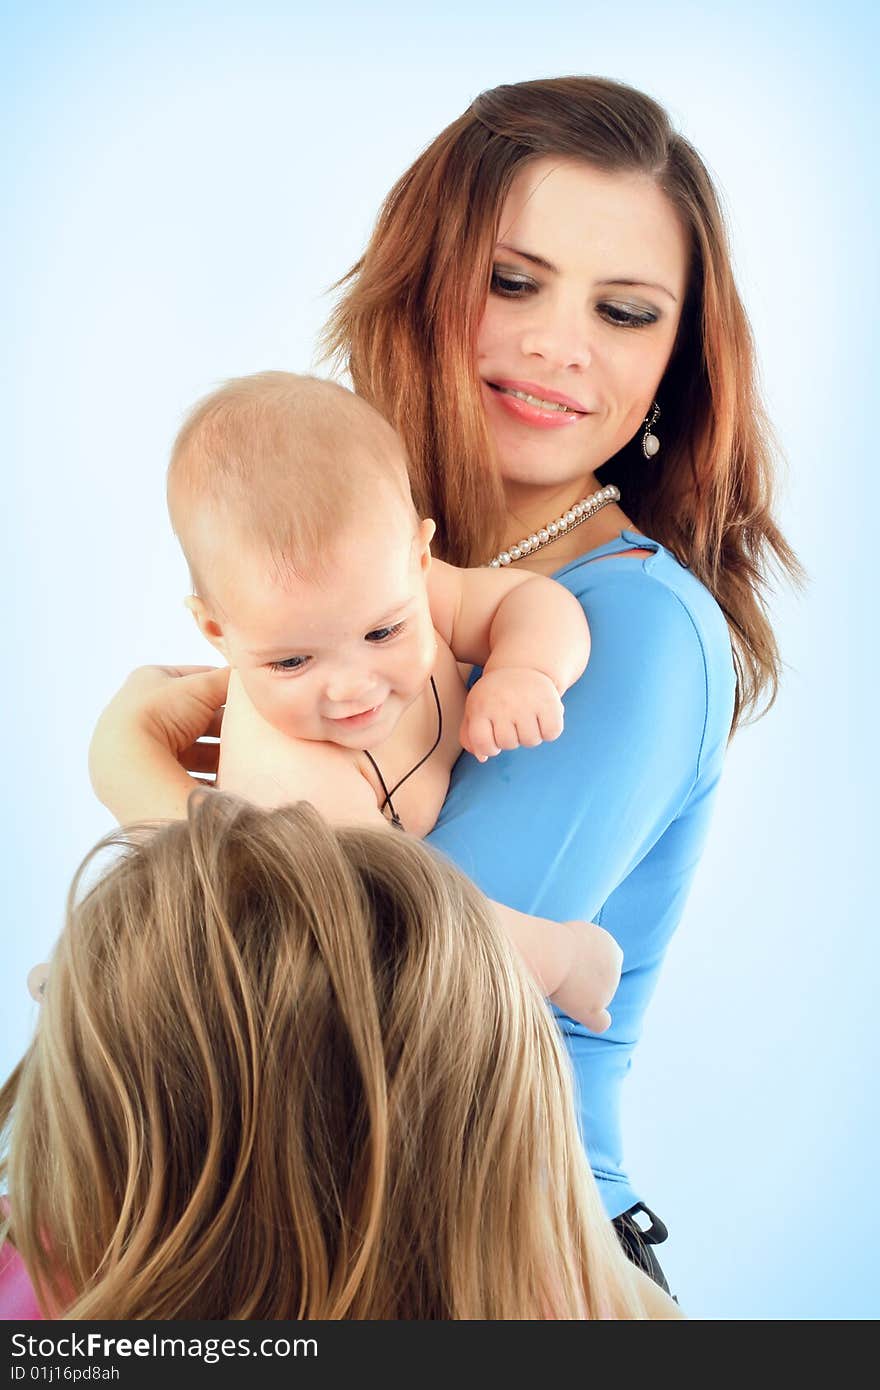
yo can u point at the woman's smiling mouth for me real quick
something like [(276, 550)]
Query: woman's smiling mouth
[(536, 405)]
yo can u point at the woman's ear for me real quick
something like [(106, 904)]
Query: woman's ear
[(206, 624)]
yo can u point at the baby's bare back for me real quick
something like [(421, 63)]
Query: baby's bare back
[(270, 768)]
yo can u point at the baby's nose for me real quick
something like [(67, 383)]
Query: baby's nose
[(348, 685)]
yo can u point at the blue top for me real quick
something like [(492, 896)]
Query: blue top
[(607, 823)]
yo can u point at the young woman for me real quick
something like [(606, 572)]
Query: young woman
[(266, 1082), (547, 306)]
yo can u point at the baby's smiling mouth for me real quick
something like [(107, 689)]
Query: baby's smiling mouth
[(352, 718)]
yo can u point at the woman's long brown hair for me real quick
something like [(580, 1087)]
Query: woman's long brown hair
[(406, 326), (287, 1071)]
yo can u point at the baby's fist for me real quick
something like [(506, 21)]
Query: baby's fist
[(513, 707)]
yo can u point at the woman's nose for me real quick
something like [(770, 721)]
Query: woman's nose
[(560, 337)]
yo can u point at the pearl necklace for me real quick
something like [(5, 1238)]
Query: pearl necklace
[(575, 516)]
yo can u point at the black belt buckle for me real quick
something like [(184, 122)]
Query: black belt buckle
[(656, 1233)]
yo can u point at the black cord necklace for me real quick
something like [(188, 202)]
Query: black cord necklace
[(395, 818)]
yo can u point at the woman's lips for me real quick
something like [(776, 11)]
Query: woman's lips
[(536, 405)]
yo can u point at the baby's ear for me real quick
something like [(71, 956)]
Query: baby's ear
[(424, 536), (208, 626)]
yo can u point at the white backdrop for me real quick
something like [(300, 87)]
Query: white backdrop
[(181, 189)]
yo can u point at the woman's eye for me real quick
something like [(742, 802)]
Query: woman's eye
[(624, 316), (290, 663), (382, 634), (508, 283)]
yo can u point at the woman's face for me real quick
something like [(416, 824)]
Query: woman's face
[(588, 283)]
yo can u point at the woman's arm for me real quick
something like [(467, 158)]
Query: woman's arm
[(146, 739), (556, 830)]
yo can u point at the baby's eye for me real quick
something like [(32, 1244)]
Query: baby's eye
[(509, 283), (383, 634), (290, 663), (625, 316)]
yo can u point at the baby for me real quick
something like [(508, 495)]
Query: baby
[(350, 646)]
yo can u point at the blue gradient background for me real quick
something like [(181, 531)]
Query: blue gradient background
[(181, 187)]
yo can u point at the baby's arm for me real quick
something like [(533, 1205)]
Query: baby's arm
[(531, 638), (576, 964)]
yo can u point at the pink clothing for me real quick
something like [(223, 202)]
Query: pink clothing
[(17, 1299)]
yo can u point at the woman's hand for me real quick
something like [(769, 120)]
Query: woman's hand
[(146, 741), (177, 705)]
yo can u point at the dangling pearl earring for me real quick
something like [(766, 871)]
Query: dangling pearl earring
[(650, 442)]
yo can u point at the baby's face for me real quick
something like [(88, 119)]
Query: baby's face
[(341, 659)]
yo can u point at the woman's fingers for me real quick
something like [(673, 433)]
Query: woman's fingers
[(201, 758), (206, 682), (146, 678), (215, 728), (187, 707), (183, 670), (172, 706)]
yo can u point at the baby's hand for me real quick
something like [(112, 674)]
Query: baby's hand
[(593, 975), (514, 707)]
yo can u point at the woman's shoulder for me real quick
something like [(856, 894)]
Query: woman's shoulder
[(650, 597), (657, 629)]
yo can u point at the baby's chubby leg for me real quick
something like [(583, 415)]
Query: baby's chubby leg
[(577, 964)]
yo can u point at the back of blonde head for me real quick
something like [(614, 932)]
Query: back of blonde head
[(281, 462), (287, 1071)]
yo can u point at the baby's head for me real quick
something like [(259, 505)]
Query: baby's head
[(291, 500)]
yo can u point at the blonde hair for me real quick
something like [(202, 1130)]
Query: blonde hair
[(283, 459), (289, 1071), (406, 330)]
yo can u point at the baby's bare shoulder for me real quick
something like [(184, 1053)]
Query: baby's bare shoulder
[(451, 676), (268, 767)]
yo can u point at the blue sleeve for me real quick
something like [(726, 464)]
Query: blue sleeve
[(554, 830)]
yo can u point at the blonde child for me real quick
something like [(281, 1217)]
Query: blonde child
[(287, 1071)]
